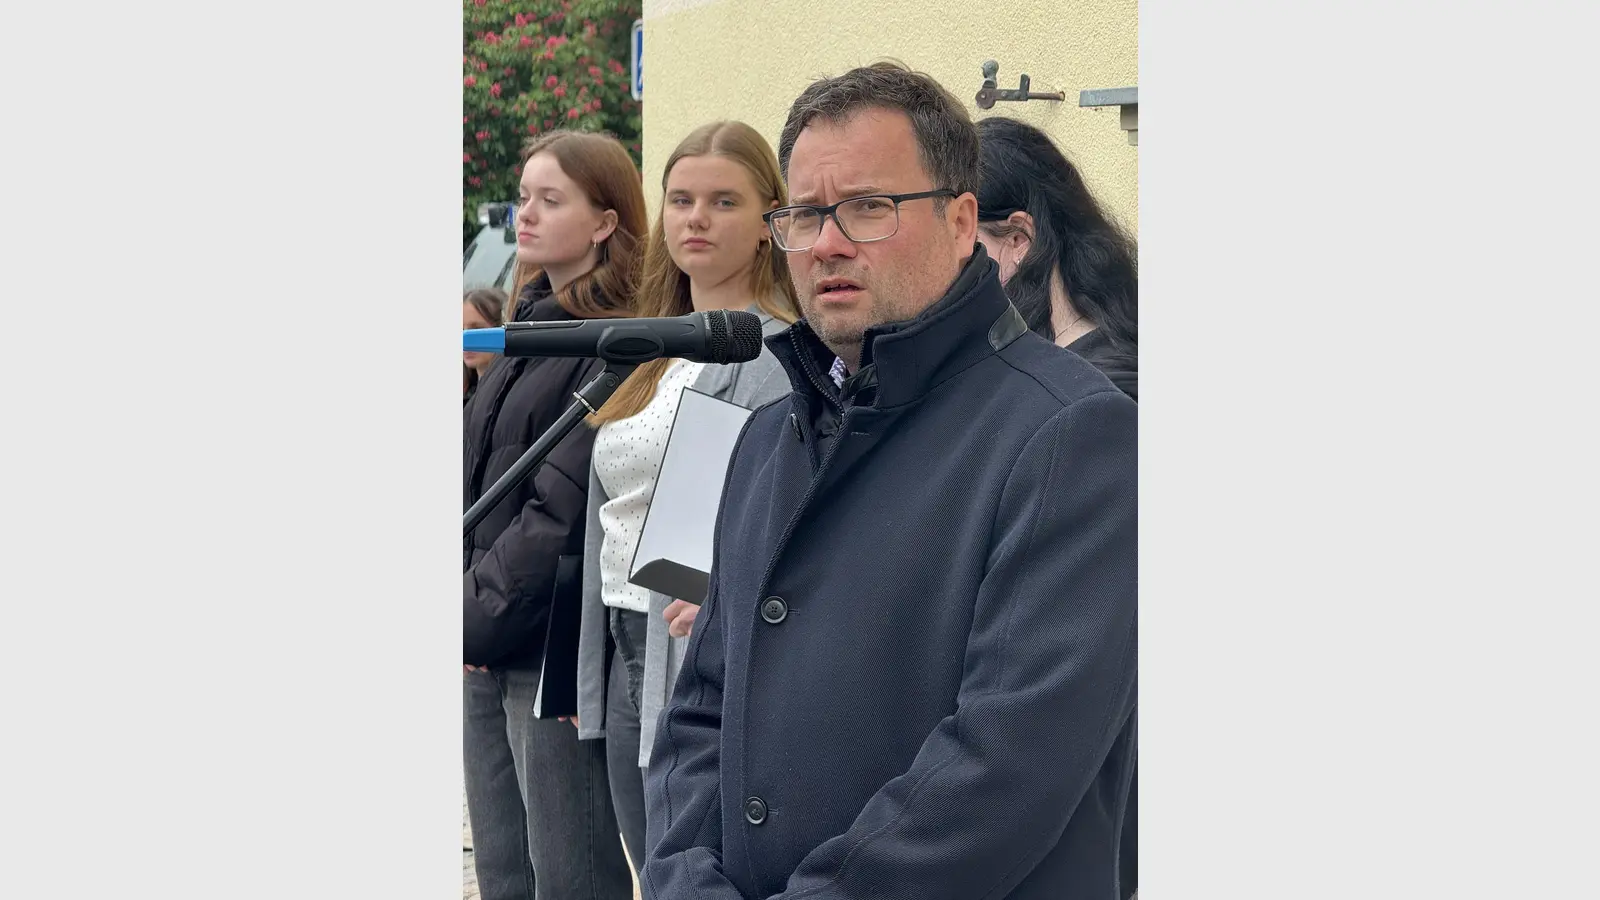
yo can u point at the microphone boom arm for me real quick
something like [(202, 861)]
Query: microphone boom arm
[(590, 398)]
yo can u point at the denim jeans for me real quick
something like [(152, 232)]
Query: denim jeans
[(624, 683), (538, 799)]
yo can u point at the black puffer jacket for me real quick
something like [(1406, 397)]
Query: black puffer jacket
[(513, 557)]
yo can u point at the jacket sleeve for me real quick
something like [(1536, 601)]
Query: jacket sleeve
[(1048, 684), (683, 794), (594, 625), (507, 593)]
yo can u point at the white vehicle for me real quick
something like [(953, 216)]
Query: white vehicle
[(490, 260)]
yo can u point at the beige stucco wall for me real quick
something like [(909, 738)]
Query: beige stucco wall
[(749, 59)]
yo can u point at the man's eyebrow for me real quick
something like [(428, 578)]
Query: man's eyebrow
[(855, 190)]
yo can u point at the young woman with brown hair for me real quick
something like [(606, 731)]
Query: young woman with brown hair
[(480, 308), (537, 797)]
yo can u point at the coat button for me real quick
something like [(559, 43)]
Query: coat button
[(755, 811), (774, 610), (794, 422)]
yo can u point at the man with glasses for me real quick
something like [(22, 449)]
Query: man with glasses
[(914, 673)]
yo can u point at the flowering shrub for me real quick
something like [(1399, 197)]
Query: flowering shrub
[(530, 66)]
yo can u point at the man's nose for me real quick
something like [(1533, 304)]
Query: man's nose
[(831, 242)]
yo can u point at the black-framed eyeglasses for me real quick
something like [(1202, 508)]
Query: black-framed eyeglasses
[(861, 219)]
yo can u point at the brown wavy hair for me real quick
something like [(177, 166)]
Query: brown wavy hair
[(491, 303), (603, 170), (664, 288)]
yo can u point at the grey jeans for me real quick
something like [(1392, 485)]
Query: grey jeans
[(538, 799), (624, 683)]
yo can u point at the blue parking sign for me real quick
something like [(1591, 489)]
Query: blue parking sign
[(638, 59)]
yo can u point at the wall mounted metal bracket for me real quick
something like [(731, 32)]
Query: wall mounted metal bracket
[(991, 93), (1127, 98)]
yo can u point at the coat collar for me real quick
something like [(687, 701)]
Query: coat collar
[(907, 359), (537, 303)]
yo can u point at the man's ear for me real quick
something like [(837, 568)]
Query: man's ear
[(961, 214)]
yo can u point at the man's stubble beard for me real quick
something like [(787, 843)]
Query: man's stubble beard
[(889, 304), (845, 342)]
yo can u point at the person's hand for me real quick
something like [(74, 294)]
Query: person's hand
[(572, 719), (466, 668), (680, 617)]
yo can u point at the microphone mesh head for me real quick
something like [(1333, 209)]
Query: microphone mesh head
[(735, 336)]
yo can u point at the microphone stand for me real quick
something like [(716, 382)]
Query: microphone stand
[(590, 398)]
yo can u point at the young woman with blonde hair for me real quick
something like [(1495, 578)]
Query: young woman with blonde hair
[(709, 249)]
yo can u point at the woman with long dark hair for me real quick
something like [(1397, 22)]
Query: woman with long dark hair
[(538, 798), (1069, 269), (1074, 276)]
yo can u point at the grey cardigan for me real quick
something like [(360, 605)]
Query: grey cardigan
[(750, 385)]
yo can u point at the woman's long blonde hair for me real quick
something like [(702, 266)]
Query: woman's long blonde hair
[(664, 288), (604, 171)]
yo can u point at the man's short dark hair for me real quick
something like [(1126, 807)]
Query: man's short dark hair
[(947, 141)]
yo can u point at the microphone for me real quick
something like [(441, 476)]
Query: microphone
[(717, 336)]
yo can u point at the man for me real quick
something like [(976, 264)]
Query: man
[(914, 672)]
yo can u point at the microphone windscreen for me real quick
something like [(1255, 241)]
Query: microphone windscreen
[(735, 336)]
